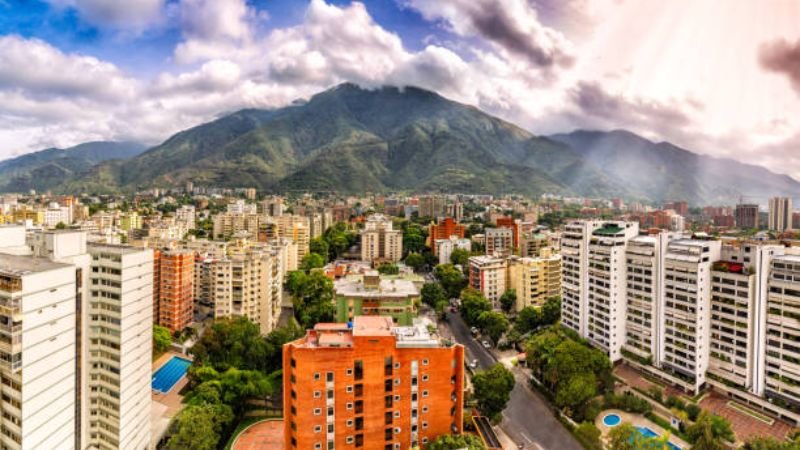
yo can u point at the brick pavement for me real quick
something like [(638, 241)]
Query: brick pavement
[(742, 424), (264, 435)]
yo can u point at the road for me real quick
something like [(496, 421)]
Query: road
[(528, 417)]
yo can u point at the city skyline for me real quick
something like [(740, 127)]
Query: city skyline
[(147, 69)]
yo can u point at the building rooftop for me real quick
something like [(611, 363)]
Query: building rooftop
[(372, 326), (23, 265), (387, 287), (609, 230)]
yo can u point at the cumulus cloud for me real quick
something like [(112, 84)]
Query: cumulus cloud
[(214, 28), (782, 56), (512, 25), (127, 15)]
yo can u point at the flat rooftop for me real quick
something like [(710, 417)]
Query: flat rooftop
[(354, 287), (23, 265)]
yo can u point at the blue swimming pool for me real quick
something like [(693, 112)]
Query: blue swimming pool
[(167, 375), (611, 420), (648, 433)]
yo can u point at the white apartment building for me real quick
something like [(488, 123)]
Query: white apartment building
[(488, 275), (644, 279), (120, 346), (56, 214), (379, 241), (499, 241), (574, 273), (606, 302), (780, 213), (782, 384), (186, 215), (38, 308), (445, 247), (687, 309)]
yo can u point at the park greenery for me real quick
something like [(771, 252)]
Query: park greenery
[(626, 437), (492, 389), (589, 436), (388, 269), (459, 257), (709, 432), (161, 339), (451, 279), (312, 297), (569, 369), (233, 365), (508, 300), (456, 442)]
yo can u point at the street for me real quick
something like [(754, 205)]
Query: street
[(527, 418)]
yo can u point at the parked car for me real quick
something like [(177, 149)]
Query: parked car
[(474, 331), (486, 344), (473, 364)]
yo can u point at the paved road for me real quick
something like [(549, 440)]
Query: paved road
[(527, 418)]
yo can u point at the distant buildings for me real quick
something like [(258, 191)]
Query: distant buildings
[(780, 214), (446, 228), (431, 206), (380, 242), (487, 274), (173, 288), (443, 248), (746, 216), (373, 294), (371, 385), (499, 241)]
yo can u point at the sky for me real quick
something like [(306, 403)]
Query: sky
[(716, 77)]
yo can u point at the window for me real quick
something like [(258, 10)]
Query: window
[(397, 398), (317, 411), (359, 372), (329, 377), (387, 401), (387, 434), (424, 362), (425, 378), (316, 378), (317, 428), (318, 446), (350, 439), (317, 394), (396, 414), (388, 418), (359, 407), (349, 405), (387, 366), (424, 393), (387, 386), (349, 389), (359, 390), (349, 422), (348, 372), (359, 423)]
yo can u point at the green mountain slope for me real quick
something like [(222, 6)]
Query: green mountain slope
[(662, 171), (350, 139), (48, 168)]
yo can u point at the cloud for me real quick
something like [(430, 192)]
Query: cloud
[(512, 25), (126, 15), (214, 28), (782, 57)]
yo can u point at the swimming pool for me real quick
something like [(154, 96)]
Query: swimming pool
[(611, 420), (167, 375), (648, 433)]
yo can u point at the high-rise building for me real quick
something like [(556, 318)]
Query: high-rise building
[(534, 279), (574, 273), (173, 288), (371, 385), (746, 216), (782, 355), (499, 241), (780, 214), (186, 214), (510, 223), (431, 206), (379, 241), (446, 228), (488, 275), (38, 320), (606, 302), (120, 346), (371, 294)]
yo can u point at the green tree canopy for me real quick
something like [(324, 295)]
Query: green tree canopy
[(312, 261), (709, 432), (432, 293), (459, 256), (388, 269), (473, 303), (494, 324), (312, 297), (492, 389), (528, 319), (161, 339), (452, 279), (508, 300), (769, 443), (199, 427), (456, 442), (551, 311), (589, 435), (321, 247), (232, 342), (415, 261), (626, 437)]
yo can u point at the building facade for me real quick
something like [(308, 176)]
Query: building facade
[(380, 242), (780, 214)]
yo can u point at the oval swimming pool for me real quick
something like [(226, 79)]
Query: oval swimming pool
[(611, 420)]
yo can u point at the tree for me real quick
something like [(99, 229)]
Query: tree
[(551, 311), (312, 298), (198, 427), (473, 303), (459, 257), (709, 432), (589, 435), (494, 324), (769, 443), (456, 442), (388, 269), (232, 342), (492, 389), (312, 261), (162, 339), (528, 319), (61, 226), (452, 279), (415, 261), (508, 300), (576, 391), (626, 437), (413, 238), (432, 293), (320, 246)]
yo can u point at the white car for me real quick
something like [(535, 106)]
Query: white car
[(486, 344), (473, 364)]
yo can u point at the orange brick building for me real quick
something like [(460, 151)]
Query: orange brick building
[(370, 385), (173, 288), (443, 230)]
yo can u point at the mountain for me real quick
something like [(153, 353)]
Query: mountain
[(48, 168), (662, 171), (349, 139)]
